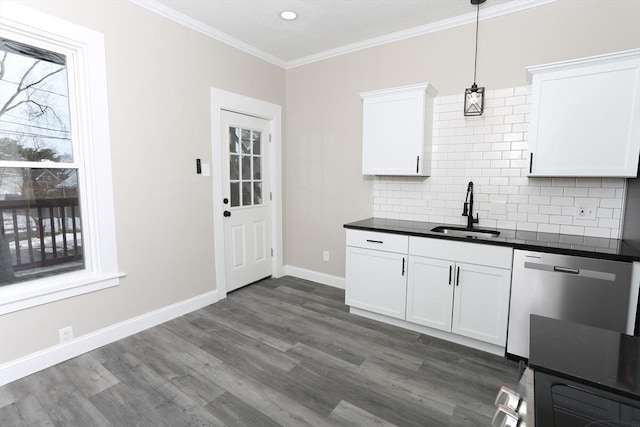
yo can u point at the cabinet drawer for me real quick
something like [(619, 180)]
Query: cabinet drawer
[(472, 253), (380, 241)]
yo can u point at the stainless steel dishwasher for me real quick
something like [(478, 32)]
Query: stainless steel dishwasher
[(584, 290)]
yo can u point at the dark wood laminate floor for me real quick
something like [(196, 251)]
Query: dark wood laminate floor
[(279, 352)]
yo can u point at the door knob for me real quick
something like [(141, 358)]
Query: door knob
[(226, 213), (225, 201)]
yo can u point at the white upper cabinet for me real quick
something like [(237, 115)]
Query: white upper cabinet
[(396, 130), (585, 117)]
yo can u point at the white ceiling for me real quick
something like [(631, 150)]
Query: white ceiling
[(323, 28)]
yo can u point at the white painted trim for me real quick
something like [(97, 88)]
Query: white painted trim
[(207, 30), (223, 100), (19, 368), (20, 296), (458, 339), (582, 62), (314, 276), (85, 52), (445, 24)]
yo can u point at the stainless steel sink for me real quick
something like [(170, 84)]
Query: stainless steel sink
[(465, 232)]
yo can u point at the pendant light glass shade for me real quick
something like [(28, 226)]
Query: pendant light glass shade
[(473, 101)]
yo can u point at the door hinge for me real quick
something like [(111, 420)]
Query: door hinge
[(272, 252), (269, 137), (270, 195)]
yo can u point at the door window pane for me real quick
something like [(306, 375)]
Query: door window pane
[(256, 168), (246, 168), (246, 141), (234, 140), (246, 194), (234, 167), (256, 143), (235, 194), (257, 193)]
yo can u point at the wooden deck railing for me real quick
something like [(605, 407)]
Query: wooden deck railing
[(42, 232)]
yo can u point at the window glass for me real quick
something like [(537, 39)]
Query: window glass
[(40, 221), (34, 104), (245, 170)]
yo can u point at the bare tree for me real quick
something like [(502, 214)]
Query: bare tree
[(26, 87)]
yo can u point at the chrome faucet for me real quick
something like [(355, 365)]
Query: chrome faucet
[(467, 209)]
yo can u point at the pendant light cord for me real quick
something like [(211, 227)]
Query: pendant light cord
[(475, 61)]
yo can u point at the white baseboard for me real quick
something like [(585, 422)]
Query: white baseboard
[(314, 276), (27, 365)]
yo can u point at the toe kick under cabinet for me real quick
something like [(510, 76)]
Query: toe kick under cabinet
[(453, 290)]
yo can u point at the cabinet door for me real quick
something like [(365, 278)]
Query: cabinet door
[(481, 303), (397, 129), (393, 134), (585, 119), (430, 292), (376, 281)]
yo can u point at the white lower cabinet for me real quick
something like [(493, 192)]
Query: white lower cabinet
[(376, 272), (457, 287), (481, 303), (466, 299), (430, 292), (377, 281)]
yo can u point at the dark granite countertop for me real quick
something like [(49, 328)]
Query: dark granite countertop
[(606, 359), (567, 244)]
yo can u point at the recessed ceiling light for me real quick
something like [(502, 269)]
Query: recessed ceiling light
[(288, 15)]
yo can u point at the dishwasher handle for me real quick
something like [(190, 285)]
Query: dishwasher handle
[(559, 269), (582, 272)]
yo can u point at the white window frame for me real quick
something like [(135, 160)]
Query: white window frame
[(84, 49)]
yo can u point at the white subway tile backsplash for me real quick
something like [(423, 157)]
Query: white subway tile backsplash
[(602, 192), (491, 151), (572, 229), (576, 192), (503, 93), (551, 210)]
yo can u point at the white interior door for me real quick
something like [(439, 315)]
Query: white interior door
[(246, 188)]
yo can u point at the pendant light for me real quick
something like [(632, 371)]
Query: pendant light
[(474, 96)]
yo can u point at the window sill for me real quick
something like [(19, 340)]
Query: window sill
[(25, 295)]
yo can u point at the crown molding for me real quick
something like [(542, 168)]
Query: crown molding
[(488, 13), (607, 58), (445, 24), (207, 30)]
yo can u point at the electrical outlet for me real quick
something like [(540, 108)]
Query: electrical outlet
[(325, 255), (66, 334), (586, 211), (427, 204)]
